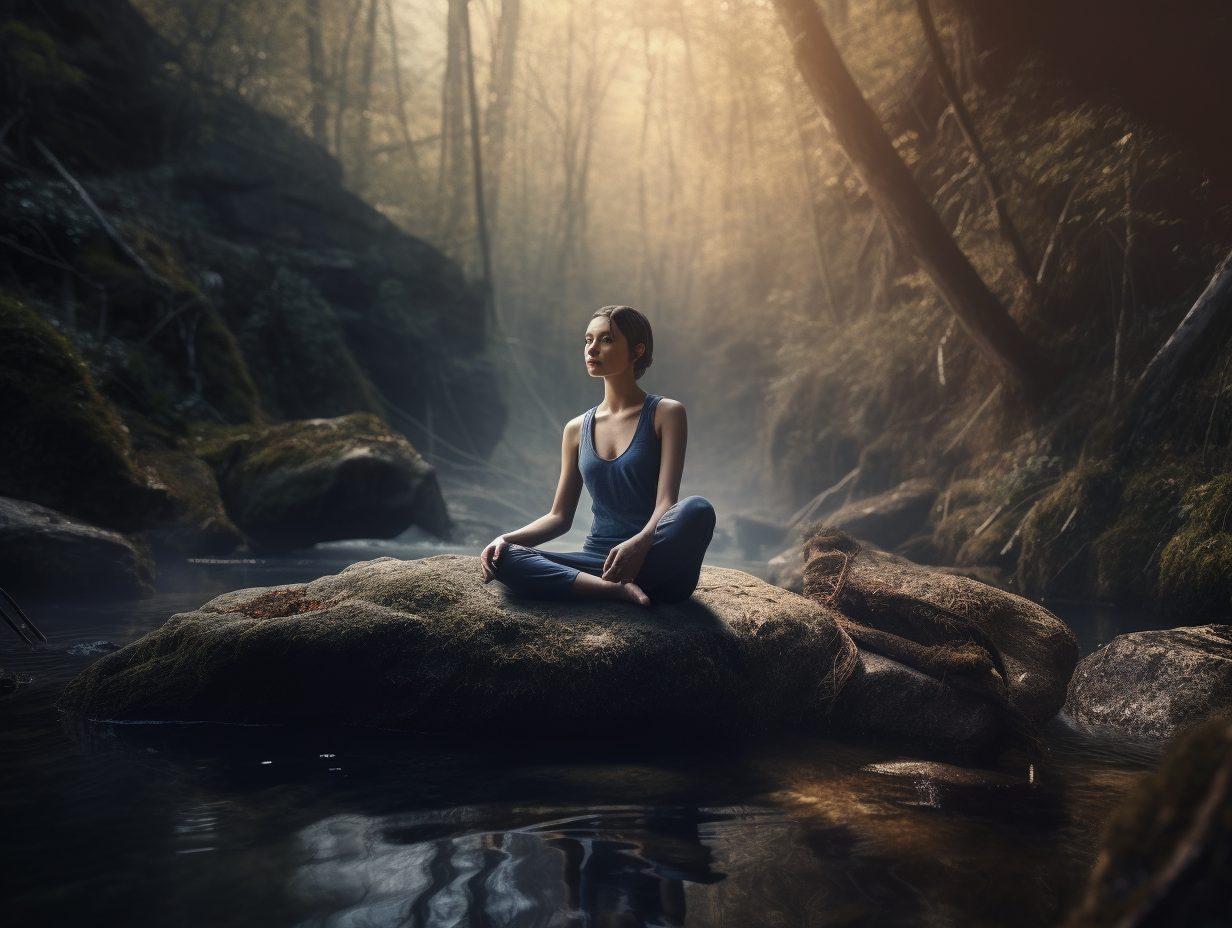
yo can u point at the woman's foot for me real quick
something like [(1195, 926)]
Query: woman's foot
[(594, 587), (633, 593)]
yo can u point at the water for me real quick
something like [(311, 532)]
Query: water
[(208, 825)]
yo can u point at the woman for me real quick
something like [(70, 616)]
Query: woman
[(643, 545)]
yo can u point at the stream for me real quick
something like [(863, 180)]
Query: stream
[(211, 825)]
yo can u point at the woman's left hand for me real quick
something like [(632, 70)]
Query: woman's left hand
[(626, 559)]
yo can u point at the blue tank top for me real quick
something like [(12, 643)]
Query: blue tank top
[(623, 489)]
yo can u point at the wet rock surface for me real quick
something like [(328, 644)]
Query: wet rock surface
[(293, 485), (425, 645), (887, 519), (1153, 683), (891, 702), (42, 549)]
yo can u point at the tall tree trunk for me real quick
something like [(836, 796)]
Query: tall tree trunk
[(318, 116), (908, 213), (452, 184), (481, 218), (500, 93), (365, 99), (343, 86), (1022, 260), (399, 97)]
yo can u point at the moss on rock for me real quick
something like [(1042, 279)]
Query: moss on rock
[(1058, 556), (426, 645), (227, 386), (1195, 569), (66, 448), (299, 483), (1128, 552), (197, 522)]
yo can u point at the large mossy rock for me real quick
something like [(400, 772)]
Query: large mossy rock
[(46, 552), (1038, 650), (296, 484), (1154, 683), (425, 645), (890, 518), (64, 446)]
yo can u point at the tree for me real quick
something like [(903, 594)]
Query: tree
[(500, 92), (908, 214), (318, 116)]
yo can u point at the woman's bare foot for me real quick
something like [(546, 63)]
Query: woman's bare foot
[(633, 593), (597, 588)]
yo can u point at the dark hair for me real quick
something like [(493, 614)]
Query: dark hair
[(635, 327)]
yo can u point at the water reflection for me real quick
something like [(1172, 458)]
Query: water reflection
[(620, 866)]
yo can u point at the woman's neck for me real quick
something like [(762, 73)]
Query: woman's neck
[(621, 393)]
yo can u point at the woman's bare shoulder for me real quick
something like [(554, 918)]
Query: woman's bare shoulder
[(669, 410), (573, 428)]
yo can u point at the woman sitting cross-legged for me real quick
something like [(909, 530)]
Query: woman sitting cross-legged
[(644, 546)]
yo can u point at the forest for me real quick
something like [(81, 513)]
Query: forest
[(950, 277)]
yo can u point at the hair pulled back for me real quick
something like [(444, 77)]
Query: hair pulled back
[(635, 327)]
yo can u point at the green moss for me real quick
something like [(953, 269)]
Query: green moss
[(227, 386), (65, 447), (1195, 569), (291, 444), (197, 523), (1128, 553), (1058, 557)]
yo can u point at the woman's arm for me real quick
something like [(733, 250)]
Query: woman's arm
[(564, 506), (625, 560)]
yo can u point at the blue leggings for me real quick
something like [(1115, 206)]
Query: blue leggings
[(668, 575)]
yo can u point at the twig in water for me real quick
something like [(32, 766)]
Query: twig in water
[(1073, 512)]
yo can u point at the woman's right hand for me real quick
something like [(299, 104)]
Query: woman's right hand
[(489, 556)]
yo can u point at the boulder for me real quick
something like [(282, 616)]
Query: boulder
[(890, 518), (43, 551), (1153, 683), (425, 645), (293, 485), (886, 701), (1038, 650)]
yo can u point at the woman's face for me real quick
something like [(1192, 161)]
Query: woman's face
[(607, 349)]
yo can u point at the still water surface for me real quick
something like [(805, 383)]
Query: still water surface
[(208, 825)]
